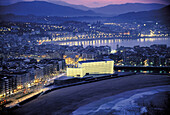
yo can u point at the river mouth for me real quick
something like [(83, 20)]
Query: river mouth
[(121, 42), (135, 102)]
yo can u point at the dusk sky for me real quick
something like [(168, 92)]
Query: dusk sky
[(92, 3)]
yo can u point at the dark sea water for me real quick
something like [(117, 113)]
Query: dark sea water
[(126, 103), (121, 42)]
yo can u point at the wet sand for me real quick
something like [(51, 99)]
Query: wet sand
[(65, 101)]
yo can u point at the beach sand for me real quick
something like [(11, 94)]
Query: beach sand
[(64, 101)]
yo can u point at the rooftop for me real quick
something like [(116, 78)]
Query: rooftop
[(88, 61)]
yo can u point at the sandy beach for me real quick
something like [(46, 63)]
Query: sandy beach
[(65, 101)]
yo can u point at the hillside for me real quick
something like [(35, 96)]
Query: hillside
[(125, 8), (153, 15), (40, 8)]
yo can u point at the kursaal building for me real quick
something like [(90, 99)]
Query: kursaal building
[(91, 67)]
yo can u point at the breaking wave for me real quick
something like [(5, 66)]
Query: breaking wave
[(121, 104)]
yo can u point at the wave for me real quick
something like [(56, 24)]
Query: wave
[(121, 104)]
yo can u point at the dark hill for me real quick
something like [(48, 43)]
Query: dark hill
[(40, 8), (153, 15), (117, 9)]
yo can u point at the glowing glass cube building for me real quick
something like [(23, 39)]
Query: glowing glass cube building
[(92, 67)]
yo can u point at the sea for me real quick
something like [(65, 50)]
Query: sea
[(126, 103)]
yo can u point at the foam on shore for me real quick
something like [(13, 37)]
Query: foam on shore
[(124, 103)]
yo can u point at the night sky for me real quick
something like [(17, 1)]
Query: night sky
[(92, 3)]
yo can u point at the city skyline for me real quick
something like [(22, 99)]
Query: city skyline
[(91, 3), (84, 57)]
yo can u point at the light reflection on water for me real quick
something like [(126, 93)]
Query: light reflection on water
[(121, 42)]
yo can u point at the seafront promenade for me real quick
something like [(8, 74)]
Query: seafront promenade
[(66, 100)]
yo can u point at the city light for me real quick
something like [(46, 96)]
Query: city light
[(100, 52)]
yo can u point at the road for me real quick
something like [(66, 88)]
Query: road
[(63, 74), (66, 100), (32, 94)]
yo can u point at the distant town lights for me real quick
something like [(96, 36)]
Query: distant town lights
[(113, 51)]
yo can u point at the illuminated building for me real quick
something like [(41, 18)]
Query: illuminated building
[(8, 84), (73, 59), (92, 67)]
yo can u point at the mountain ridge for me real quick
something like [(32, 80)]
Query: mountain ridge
[(153, 15), (66, 9), (116, 9), (42, 8)]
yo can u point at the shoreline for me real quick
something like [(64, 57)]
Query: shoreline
[(47, 90), (130, 102), (68, 99), (123, 38)]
